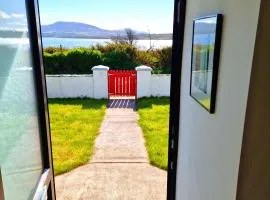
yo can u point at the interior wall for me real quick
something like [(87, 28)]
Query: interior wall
[(254, 174), (210, 145)]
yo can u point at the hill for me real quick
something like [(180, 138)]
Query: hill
[(81, 30)]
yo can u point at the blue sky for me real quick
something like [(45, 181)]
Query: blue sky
[(155, 15), (13, 15)]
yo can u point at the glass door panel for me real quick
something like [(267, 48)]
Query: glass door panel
[(20, 143)]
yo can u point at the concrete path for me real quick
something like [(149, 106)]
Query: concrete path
[(119, 169)]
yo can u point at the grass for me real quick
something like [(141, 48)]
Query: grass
[(205, 103), (154, 121), (74, 126)]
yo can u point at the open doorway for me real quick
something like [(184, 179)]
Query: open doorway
[(72, 45)]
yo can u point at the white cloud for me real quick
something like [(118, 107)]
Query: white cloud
[(12, 21), (4, 15), (17, 15), (8, 28)]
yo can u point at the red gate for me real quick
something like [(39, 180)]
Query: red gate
[(122, 82)]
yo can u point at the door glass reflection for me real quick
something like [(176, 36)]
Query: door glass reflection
[(20, 152)]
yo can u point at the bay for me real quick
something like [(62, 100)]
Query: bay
[(80, 42)]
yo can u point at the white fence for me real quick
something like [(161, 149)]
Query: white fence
[(96, 85)]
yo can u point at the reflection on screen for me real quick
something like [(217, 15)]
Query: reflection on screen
[(20, 153)]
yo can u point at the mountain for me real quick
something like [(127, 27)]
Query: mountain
[(81, 30), (12, 34), (67, 27)]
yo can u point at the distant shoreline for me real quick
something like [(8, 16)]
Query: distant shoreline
[(138, 37), (81, 30), (75, 42)]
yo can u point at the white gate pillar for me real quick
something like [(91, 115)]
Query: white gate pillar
[(100, 82), (143, 81)]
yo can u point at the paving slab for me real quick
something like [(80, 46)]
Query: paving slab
[(119, 168), (113, 181), (121, 138)]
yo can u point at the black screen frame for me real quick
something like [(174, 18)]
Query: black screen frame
[(176, 75)]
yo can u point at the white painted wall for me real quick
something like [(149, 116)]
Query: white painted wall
[(69, 86), (210, 145), (96, 85), (72, 86), (160, 85), (143, 81), (100, 82), (148, 84)]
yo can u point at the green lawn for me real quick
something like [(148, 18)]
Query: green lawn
[(154, 121), (74, 126)]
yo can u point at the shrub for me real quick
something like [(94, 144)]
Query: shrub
[(54, 63), (149, 58), (74, 61), (81, 60), (117, 55), (119, 60), (117, 46), (165, 57), (165, 70), (54, 49)]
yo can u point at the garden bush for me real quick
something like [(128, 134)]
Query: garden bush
[(149, 58), (54, 63), (165, 57), (74, 61), (81, 60), (119, 60), (115, 55), (55, 49)]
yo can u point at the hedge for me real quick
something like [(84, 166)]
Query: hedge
[(113, 55)]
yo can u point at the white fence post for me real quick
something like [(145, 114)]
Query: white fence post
[(100, 81), (143, 81)]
